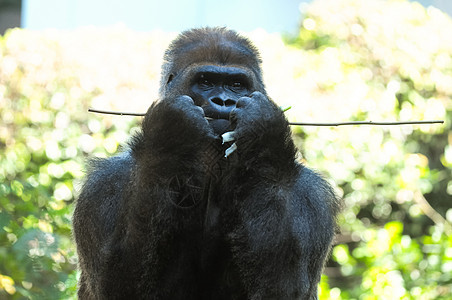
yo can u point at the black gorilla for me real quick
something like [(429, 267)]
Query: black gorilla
[(209, 201)]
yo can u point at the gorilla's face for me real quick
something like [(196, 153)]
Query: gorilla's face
[(216, 89)]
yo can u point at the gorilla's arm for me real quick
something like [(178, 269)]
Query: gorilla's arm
[(287, 211), (95, 217), (133, 207), (283, 237)]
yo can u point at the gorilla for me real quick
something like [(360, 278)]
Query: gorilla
[(208, 200)]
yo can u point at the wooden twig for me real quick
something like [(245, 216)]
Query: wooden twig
[(369, 123), (120, 113), (108, 112), (430, 212)]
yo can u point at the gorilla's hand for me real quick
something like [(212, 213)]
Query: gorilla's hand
[(176, 127), (261, 132)]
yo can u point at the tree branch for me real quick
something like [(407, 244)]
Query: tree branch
[(108, 112), (293, 123), (368, 123), (431, 213)]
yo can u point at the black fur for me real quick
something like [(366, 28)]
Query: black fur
[(172, 218)]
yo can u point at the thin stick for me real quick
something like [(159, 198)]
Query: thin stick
[(119, 113), (368, 123)]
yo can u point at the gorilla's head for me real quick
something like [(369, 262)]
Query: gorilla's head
[(215, 67)]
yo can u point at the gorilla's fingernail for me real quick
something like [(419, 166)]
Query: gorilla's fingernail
[(228, 136), (230, 150)]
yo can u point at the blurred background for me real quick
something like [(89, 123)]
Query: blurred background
[(331, 60)]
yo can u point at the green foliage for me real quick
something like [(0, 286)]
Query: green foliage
[(353, 60), (45, 136), (386, 60)]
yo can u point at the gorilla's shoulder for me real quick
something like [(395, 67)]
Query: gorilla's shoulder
[(116, 166), (99, 200), (320, 193), (108, 175)]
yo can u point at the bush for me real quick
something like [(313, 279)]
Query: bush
[(47, 81), (379, 60)]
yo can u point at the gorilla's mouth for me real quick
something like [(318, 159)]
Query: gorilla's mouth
[(219, 123), (221, 112), (219, 126), (218, 118)]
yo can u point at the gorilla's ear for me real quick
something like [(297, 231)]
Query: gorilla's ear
[(170, 78)]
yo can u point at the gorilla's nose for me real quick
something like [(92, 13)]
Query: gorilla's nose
[(220, 107), (220, 101)]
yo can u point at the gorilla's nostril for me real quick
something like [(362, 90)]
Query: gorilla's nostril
[(230, 102), (218, 101)]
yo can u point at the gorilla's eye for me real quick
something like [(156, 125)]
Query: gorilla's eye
[(238, 85), (204, 81)]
